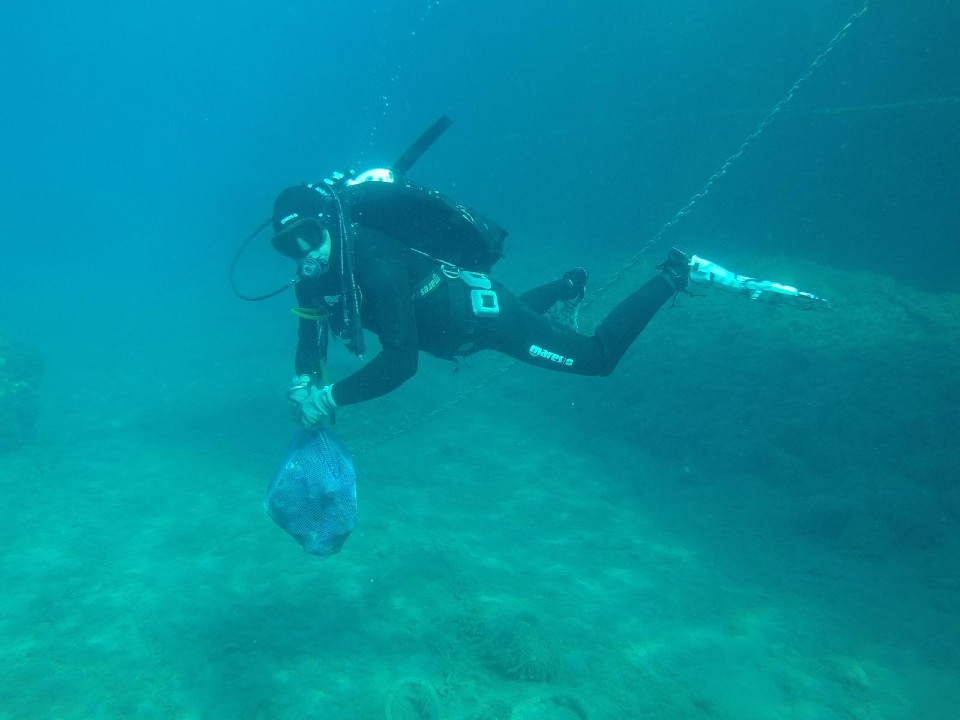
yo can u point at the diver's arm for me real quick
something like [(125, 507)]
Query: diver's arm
[(388, 303), (309, 352), (307, 360)]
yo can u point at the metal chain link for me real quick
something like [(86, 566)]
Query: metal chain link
[(617, 276)]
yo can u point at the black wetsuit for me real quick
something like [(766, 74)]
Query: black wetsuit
[(412, 306)]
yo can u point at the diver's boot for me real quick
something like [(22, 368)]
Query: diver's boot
[(708, 274), (567, 310), (577, 277), (704, 273), (676, 269)]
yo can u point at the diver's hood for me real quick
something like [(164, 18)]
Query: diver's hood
[(302, 211)]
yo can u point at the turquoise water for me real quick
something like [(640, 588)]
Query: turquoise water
[(756, 516), (750, 529)]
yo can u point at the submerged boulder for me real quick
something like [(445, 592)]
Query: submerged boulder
[(20, 371)]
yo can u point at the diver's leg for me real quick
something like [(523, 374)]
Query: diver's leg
[(570, 287), (627, 320), (542, 298), (521, 333)]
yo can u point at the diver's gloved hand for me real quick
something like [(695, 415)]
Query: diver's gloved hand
[(308, 403), (317, 405), (298, 392)]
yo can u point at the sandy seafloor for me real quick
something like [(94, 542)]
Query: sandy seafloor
[(756, 517)]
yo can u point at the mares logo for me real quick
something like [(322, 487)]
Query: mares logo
[(429, 285), (537, 351)]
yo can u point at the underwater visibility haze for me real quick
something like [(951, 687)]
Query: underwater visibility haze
[(756, 516)]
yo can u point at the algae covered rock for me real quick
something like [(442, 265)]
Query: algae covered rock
[(517, 648), (20, 371), (412, 699)]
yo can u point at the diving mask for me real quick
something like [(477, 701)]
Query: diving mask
[(300, 237)]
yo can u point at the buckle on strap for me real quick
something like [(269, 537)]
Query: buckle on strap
[(483, 298), (484, 303)]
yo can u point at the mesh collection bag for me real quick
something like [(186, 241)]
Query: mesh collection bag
[(314, 495)]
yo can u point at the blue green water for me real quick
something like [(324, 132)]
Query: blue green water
[(756, 516)]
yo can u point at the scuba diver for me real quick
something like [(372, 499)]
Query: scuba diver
[(411, 268), (375, 251)]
